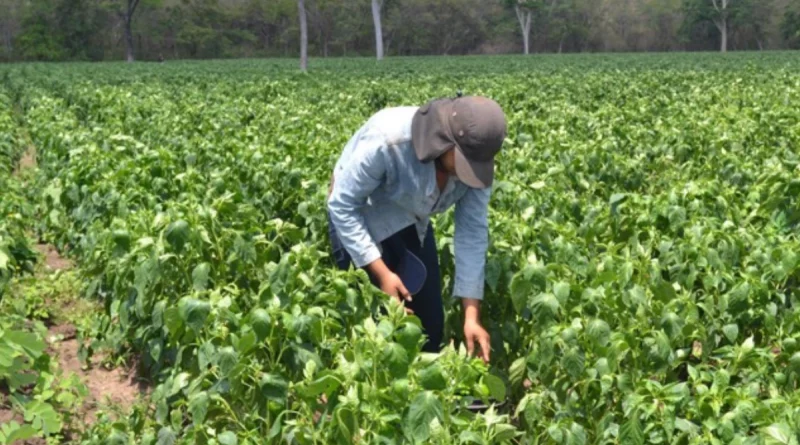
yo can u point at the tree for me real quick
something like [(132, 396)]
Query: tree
[(376, 20), (720, 20), (524, 10), (301, 11), (532, 12), (750, 19), (790, 29), (125, 10), (38, 39), (128, 19), (567, 22), (714, 11)]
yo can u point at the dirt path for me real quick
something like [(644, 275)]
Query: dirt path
[(112, 390), (118, 387)]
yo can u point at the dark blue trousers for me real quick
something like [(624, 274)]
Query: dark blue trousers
[(427, 304)]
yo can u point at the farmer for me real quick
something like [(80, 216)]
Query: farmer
[(403, 165)]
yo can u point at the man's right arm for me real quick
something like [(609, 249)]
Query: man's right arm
[(353, 183)]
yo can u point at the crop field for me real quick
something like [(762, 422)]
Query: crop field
[(642, 276)]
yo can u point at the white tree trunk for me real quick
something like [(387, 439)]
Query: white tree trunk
[(524, 18), (722, 22), (724, 43), (301, 11), (376, 20)]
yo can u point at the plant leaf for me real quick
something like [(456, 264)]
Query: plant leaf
[(631, 433), (200, 276), (424, 408)]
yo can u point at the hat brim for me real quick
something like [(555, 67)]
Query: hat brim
[(412, 272), (474, 174)]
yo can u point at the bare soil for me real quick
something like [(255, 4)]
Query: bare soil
[(52, 258), (113, 390), (116, 387)]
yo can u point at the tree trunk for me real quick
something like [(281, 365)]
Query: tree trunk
[(722, 23), (301, 10), (376, 20), (524, 18), (127, 17), (128, 39), (724, 40)]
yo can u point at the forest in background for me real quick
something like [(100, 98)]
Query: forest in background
[(60, 30)]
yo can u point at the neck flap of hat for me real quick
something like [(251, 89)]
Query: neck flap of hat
[(430, 130)]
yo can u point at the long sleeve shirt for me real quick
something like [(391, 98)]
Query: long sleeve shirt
[(380, 188)]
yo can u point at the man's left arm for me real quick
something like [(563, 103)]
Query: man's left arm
[(471, 243)]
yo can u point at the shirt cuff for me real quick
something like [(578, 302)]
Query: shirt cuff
[(468, 290), (364, 258)]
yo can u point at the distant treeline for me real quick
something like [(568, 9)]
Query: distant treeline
[(179, 29)]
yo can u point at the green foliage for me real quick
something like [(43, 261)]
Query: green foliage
[(790, 28), (641, 278), (16, 255)]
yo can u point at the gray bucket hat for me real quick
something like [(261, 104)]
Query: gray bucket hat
[(475, 125)]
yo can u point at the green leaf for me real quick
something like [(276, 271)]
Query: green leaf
[(166, 436), (561, 291), (631, 432), (206, 355), (31, 343), (664, 291), (198, 407), (504, 432), (227, 358), (396, 357), (409, 336), (497, 388), (274, 387), (19, 433), (616, 199), (178, 383), (577, 435), (779, 433), (521, 290), (43, 414), (200, 276), (424, 408), (599, 332), (432, 377), (573, 363), (686, 426), (517, 371), (177, 234), (246, 343), (261, 323), (227, 438), (545, 307), (672, 325), (194, 312), (470, 437), (323, 385)]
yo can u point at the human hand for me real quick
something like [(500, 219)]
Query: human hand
[(474, 332), (392, 285)]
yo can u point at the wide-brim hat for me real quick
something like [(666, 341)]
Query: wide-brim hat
[(475, 126)]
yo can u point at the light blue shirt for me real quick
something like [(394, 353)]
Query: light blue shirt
[(380, 188)]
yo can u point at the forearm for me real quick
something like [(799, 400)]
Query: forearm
[(472, 309), (378, 269)]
